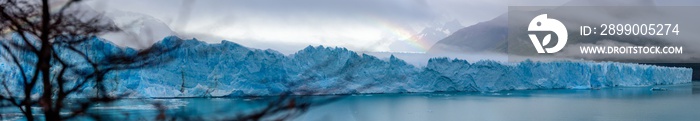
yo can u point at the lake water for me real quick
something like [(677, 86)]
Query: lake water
[(677, 102), (635, 104)]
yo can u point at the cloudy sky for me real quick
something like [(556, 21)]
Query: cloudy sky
[(289, 25)]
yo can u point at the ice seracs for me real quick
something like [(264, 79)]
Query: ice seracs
[(230, 69)]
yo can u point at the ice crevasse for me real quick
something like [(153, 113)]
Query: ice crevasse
[(229, 69)]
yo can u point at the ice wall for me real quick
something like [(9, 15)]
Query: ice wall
[(230, 69)]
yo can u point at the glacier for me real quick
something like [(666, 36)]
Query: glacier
[(228, 69)]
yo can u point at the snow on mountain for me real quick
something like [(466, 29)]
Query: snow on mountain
[(429, 35), (433, 34), (230, 69), (484, 36), (138, 30)]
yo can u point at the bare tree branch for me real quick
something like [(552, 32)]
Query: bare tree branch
[(46, 36)]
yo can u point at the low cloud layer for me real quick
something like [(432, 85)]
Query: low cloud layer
[(360, 25)]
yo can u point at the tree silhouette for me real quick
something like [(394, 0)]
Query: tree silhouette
[(41, 34)]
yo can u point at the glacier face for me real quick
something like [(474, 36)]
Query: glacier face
[(230, 69)]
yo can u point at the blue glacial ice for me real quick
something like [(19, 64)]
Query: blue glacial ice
[(230, 69)]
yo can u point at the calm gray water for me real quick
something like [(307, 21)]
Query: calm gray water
[(676, 103), (614, 104)]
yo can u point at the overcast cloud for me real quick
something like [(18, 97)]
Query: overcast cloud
[(286, 25)]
